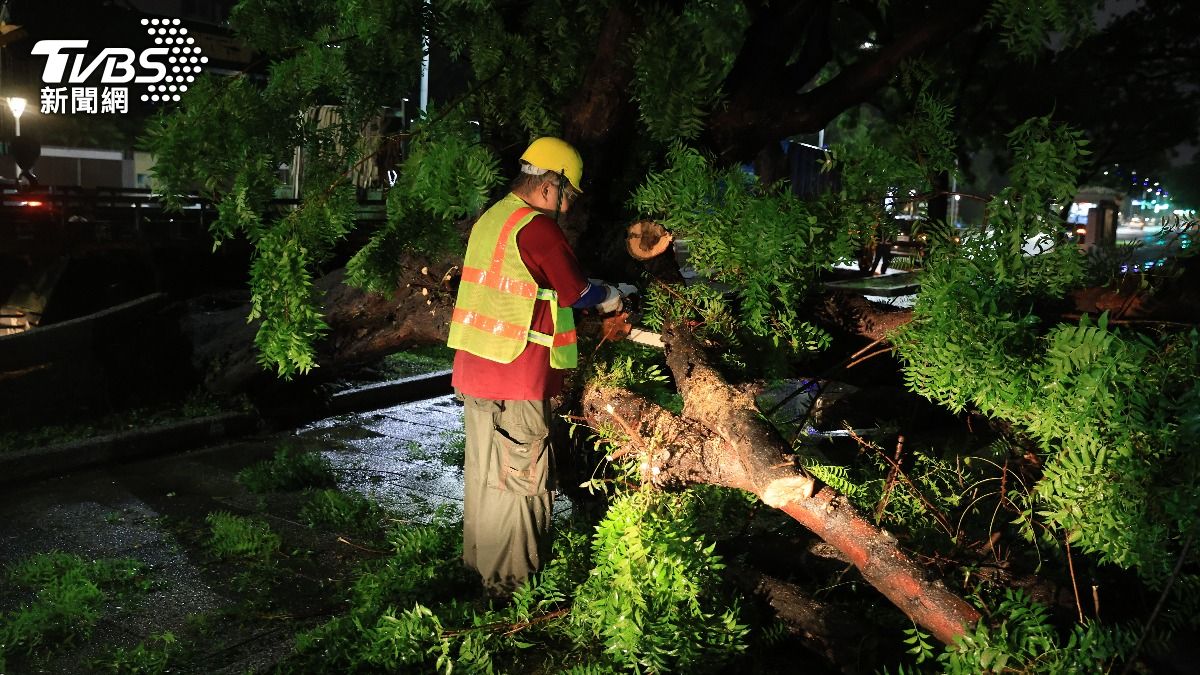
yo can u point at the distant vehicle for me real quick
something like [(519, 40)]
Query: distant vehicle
[(20, 194)]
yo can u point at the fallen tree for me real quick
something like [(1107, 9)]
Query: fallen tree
[(720, 439)]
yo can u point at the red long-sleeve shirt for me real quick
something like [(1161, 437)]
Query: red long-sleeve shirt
[(529, 377)]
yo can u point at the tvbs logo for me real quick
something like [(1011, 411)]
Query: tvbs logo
[(166, 68), (118, 63)]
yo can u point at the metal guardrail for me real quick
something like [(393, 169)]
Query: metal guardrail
[(888, 286)]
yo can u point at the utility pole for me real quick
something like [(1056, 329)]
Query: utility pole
[(425, 60)]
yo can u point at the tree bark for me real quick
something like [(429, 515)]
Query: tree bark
[(600, 121), (365, 326), (720, 440), (827, 630)]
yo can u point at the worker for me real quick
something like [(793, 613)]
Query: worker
[(514, 329)]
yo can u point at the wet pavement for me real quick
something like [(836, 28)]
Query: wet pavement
[(408, 457)]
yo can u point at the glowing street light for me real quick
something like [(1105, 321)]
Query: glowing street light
[(17, 105)]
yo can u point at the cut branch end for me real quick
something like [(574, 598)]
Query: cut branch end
[(783, 491), (646, 239)]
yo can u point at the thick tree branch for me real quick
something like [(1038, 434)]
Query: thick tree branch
[(770, 59), (755, 116), (721, 440), (363, 327), (828, 630)]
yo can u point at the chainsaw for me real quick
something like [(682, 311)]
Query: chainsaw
[(617, 325)]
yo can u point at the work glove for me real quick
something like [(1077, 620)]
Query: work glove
[(611, 302)]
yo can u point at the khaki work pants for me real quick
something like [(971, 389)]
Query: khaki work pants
[(508, 495)]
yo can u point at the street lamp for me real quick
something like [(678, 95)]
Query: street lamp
[(17, 105)]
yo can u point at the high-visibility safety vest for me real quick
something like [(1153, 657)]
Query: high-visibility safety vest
[(494, 311)]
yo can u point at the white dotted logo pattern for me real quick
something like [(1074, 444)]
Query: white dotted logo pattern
[(184, 58)]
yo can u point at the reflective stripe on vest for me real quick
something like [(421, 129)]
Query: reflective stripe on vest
[(496, 280), (511, 331), (496, 298)]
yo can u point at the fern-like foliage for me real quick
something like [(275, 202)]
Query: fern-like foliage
[(1105, 405), (288, 470), (1023, 639), (877, 160), (645, 596), (530, 60), (390, 624), (761, 242), (676, 82), (447, 176), (887, 170), (836, 476), (67, 597), (241, 537), (1025, 29), (650, 593), (333, 68), (229, 136)]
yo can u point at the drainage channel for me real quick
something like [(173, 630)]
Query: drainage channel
[(185, 435)]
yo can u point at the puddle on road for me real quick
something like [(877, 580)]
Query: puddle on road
[(407, 457)]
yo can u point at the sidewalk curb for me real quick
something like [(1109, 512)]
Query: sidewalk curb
[(52, 460), (175, 437), (384, 394)]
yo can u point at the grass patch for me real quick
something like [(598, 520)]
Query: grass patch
[(416, 361), (239, 537), (69, 596), (147, 658), (287, 471)]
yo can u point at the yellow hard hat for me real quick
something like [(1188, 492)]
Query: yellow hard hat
[(555, 154)]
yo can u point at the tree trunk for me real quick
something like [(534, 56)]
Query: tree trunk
[(720, 440), (830, 631)]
